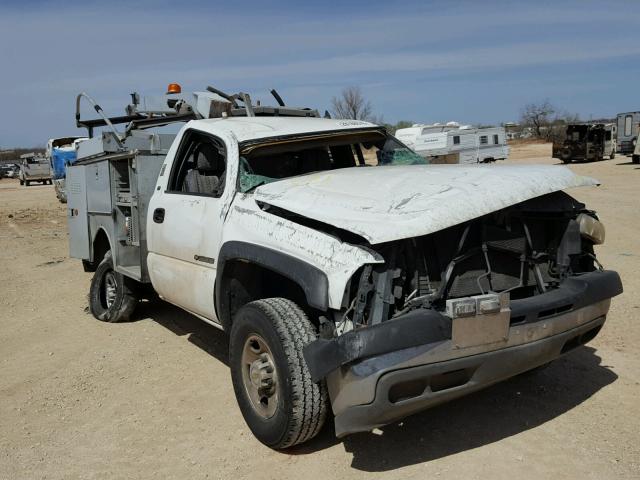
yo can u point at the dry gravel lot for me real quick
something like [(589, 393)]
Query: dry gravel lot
[(152, 398)]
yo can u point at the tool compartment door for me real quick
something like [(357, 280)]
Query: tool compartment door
[(77, 216)]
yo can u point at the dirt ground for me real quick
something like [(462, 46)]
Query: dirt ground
[(152, 398)]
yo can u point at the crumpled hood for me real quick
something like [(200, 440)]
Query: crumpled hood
[(394, 202)]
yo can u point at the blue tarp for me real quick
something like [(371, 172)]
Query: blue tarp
[(59, 161)]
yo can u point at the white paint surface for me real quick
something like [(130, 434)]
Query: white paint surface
[(383, 204)]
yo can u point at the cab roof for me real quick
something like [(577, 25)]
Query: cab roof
[(252, 128)]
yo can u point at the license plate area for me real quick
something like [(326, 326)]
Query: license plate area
[(479, 320)]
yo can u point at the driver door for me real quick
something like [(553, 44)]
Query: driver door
[(185, 224)]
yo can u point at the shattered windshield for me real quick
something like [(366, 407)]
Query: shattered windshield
[(271, 160)]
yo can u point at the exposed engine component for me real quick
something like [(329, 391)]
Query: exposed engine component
[(521, 251)]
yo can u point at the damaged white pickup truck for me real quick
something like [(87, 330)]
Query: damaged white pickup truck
[(348, 273)]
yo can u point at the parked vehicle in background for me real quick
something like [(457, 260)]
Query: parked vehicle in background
[(34, 168), (453, 143), (628, 126), (586, 142), (375, 290), (61, 152), (9, 170)]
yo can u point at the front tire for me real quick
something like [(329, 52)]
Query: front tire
[(271, 380), (111, 298), (635, 158)]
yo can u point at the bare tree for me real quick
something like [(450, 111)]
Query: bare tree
[(352, 105), (537, 116)]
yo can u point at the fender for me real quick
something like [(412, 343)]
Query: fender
[(312, 280), (91, 264)]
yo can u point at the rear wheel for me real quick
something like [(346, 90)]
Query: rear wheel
[(21, 182), (271, 380), (28, 183), (635, 158), (111, 296)]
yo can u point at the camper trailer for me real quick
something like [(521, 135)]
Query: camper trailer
[(628, 126), (455, 143)]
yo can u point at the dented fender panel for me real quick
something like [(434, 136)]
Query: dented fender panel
[(247, 223)]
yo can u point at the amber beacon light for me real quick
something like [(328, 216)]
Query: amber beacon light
[(174, 88)]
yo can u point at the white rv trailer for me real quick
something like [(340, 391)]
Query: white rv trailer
[(455, 143), (628, 129)]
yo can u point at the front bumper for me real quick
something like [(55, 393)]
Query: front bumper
[(403, 392), (395, 373)]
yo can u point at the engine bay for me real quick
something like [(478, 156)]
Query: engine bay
[(523, 250)]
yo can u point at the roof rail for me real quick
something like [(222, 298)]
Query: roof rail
[(147, 112)]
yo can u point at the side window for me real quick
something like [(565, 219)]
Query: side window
[(495, 140), (484, 140), (607, 135), (456, 139), (199, 167)]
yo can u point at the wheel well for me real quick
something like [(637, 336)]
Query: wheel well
[(243, 282), (99, 248)]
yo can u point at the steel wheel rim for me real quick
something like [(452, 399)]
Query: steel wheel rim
[(110, 289), (259, 376)]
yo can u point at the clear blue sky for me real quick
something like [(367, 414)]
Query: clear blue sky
[(475, 62)]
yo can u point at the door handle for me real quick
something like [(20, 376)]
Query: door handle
[(158, 215)]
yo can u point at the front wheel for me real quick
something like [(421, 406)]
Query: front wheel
[(635, 158), (271, 380), (111, 298)]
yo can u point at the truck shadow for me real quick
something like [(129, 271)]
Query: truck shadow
[(204, 336), (585, 162), (491, 415)]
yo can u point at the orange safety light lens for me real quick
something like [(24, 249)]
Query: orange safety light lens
[(174, 88)]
